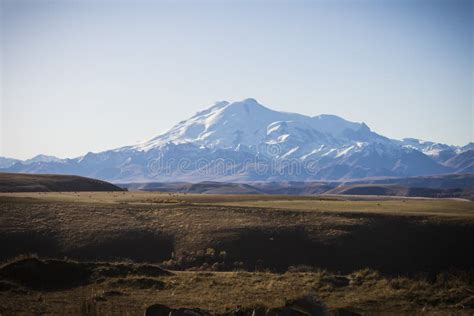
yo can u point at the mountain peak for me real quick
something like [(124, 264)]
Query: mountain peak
[(226, 106), (248, 105), (249, 123), (250, 101), (42, 158)]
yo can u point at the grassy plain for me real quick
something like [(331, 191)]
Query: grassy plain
[(323, 203), (368, 254)]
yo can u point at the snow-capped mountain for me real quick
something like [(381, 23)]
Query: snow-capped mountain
[(7, 162), (246, 141), (248, 123), (42, 158)]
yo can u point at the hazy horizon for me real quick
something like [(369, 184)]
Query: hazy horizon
[(80, 76)]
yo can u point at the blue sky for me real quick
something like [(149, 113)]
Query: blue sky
[(81, 76)]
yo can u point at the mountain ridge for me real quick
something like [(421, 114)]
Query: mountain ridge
[(247, 141), (440, 186)]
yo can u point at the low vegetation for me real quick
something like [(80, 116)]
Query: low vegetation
[(228, 253), (124, 288)]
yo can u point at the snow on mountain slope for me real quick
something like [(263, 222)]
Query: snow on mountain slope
[(226, 125), (42, 158), (7, 162), (246, 141), (429, 148), (463, 163)]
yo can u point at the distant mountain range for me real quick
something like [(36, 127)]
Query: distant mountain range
[(245, 141), (440, 186)]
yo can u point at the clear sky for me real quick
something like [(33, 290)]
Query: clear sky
[(81, 76)]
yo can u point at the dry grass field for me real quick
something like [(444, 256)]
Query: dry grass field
[(365, 292), (368, 255)]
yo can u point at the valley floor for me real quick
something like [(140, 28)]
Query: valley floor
[(368, 254)]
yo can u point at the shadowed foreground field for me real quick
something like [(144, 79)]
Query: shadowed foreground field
[(128, 288), (365, 254)]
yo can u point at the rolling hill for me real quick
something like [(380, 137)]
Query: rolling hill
[(442, 186), (16, 182)]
